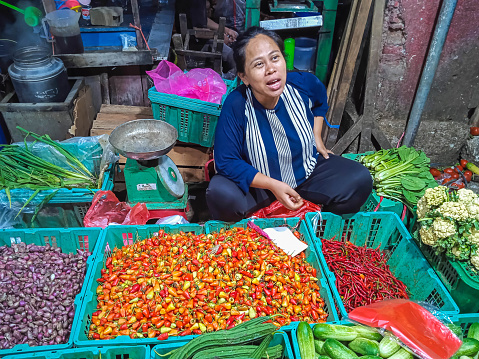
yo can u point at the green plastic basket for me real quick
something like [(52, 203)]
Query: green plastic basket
[(194, 119), (75, 195), (136, 352), (111, 237), (68, 240), (375, 203), (465, 321), (383, 230), (279, 338), (460, 278), (311, 255)]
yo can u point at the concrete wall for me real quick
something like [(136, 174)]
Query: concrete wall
[(408, 28)]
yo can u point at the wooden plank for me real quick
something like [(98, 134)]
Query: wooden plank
[(136, 21), (131, 110), (108, 59), (348, 137), (83, 113), (201, 54), (105, 88), (126, 90), (335, 114)]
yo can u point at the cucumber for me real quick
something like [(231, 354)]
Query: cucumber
[(469, 347), (456, 329), (401, 354), (324, 357), (473, 331), (366, 332), (332, 331), (364, 346), (305, 337), (465, 357), (318, 346), (336, 350), (388, 347), (369, 357)]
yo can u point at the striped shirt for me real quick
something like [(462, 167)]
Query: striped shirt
[(279, 142)]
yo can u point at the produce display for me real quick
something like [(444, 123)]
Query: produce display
[(449, 222), (337, 341), (21, 168), (238, 342), (182, 284), (38, 285), (457, 176), (362, 274), (400, 174)]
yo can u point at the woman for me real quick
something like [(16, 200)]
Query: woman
[(268, 140)]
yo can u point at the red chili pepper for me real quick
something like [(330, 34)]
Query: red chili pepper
[(135, 288), (185, 332), (247, 274), (163, 336), (108, 262)]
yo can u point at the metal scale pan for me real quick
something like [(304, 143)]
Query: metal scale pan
[(148, 142)]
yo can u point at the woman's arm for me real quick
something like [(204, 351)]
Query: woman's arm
[(317, 129), (287, 196)]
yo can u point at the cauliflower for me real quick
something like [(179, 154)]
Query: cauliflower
[(473, 209), (474, 237), (427, 236), (475, 261), (455, 210), (466, 195), (443, 228), (435, 196), (422, 208)]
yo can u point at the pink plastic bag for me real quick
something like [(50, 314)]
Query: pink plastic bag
[(106, 209), (415, 326), (201, 84)]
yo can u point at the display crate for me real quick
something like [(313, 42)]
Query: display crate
[(465, 321), (194, 119), (460, 278), (383, 230), (69, 241), (89, 152), (311, 255), (374, 202), (111, 237), (124, 352), (279, 338)]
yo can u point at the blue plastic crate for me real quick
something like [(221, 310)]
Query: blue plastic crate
[(63, 195), (68, 240), (279, 338), (311, 256), (111, 237), (136, 352), (386, 231)]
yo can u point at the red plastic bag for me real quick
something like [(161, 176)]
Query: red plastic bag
[(277, 210), (106, 209), (415, 326)]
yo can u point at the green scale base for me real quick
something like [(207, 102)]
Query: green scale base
[(144, 185)]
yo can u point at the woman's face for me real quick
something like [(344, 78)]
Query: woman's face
[(265, 70)]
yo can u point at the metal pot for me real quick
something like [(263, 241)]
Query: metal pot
[(37, 76)]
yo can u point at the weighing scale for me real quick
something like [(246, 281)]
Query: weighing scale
[(151, 176)]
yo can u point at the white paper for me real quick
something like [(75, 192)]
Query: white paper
[(286, 240)]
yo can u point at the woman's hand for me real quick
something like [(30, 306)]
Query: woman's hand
[(317, 130), (322, 150), (230, 36), (287, 196)]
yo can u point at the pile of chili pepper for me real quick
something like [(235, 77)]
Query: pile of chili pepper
[(362, 274), (182, 284)]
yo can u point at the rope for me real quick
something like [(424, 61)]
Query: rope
[(139, 29), (400, 140), (379, 204)]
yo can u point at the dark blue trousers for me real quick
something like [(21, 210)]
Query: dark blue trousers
[(339, 184)]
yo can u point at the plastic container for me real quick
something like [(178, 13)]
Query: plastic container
[(311, 256), (65, 28), (137, 352), (194, 119), (279, 338), (289, 52), (383, 230), (465, 321), (69, 240), (460, 278), (305, 53), (75, 195), (111, 237)]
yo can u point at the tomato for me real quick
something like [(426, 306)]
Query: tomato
[(458, 185), (463, 163), (435, 172), (474, 131), (450, 170), (455, 175), (459, 168), (468, 175)]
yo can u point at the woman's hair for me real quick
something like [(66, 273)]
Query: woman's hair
[(239, 46)]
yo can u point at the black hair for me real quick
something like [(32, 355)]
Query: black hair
[(239, 46)]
